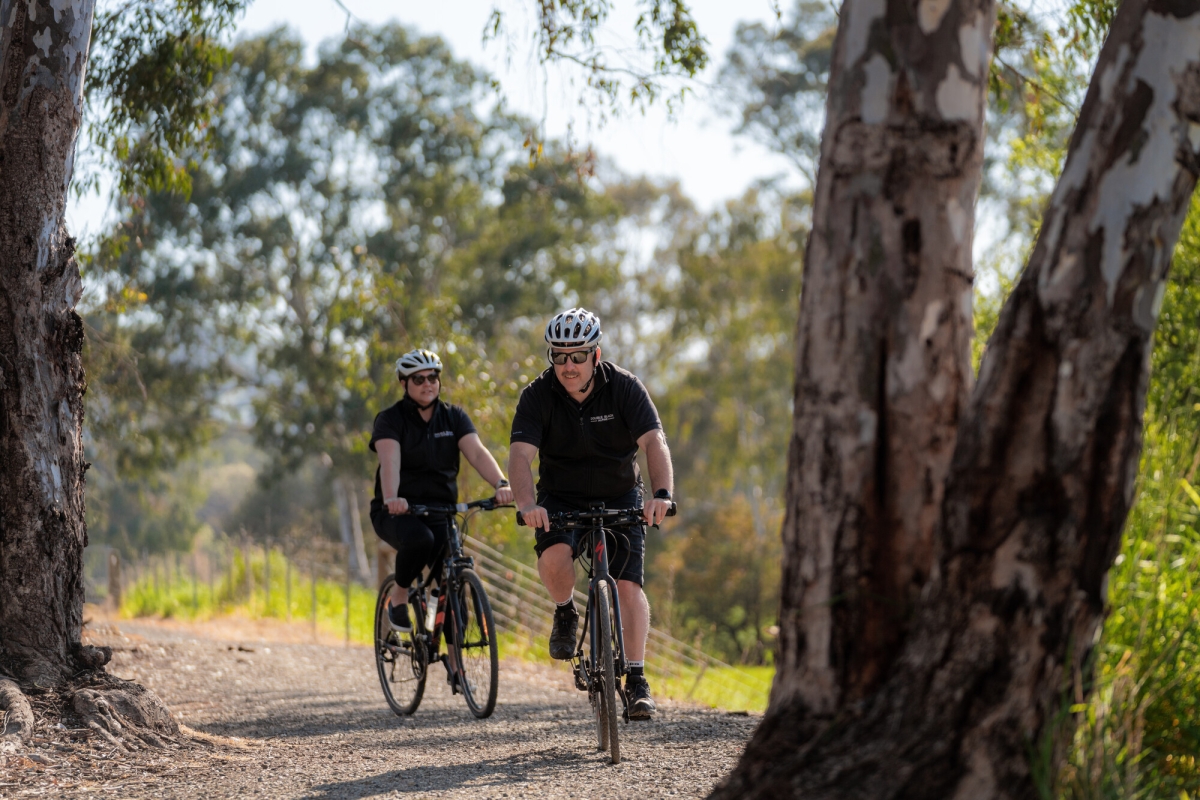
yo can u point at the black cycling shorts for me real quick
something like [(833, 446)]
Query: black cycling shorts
[(626, 546)]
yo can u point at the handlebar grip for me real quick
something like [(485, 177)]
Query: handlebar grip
[(673, 509), (520, 519)]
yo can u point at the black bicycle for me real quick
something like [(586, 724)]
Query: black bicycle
[(599, 671), (457, 605)]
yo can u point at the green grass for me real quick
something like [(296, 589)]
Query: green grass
[(723, 687), (1138, 736), (183, 600)]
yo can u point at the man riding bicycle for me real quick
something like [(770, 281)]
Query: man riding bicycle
[(418, 441), (587, 418)]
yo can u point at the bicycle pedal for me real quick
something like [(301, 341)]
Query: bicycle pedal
[(580, 683)]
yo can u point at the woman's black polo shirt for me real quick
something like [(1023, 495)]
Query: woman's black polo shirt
[(429, 454), (587, 451)]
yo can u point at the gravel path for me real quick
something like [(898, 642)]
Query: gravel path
[(303, 720)]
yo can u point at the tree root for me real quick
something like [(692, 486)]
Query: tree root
[(124, 714), (18, 715)]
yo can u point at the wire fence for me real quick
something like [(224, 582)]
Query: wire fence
[(524, 610), (314, 584)]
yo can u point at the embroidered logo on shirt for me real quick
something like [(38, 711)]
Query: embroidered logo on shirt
[(440, 434), (604, 418)]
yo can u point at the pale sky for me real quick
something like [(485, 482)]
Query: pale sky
[(697, 147)]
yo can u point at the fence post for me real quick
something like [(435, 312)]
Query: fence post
[(287, 582), (313, 569), (267, 576), (249, 577), (114, 580), (349, 579)]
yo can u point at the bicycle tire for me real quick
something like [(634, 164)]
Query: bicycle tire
[(475, 638), (602, 649), (400, 659), (591, 669)]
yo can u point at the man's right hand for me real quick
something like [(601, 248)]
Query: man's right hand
[(536, 517), (396, 505)]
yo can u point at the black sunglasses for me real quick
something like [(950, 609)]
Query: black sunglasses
[(578, 356), (419, 380)]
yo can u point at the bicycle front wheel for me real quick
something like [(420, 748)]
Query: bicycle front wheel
[(475, 633), (602, 661), (400, 658)]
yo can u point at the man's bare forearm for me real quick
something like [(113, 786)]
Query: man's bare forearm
[(520, 473), (658, 462)]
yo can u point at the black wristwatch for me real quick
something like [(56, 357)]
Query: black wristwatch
[(503, 482), (662, 494)]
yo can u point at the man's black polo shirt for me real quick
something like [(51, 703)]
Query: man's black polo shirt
[(428, 450), (588, 451)]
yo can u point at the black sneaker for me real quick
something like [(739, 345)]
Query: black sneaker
[(641, 704), (398, 617), (562, 635)]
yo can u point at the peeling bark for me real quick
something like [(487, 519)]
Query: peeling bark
[(882, 353), (43, 48), (1043, 471)]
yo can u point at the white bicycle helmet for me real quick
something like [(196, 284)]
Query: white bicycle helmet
[(575, 327), (415, 361)]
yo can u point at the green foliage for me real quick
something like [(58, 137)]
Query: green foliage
[(1139, 733), (340, 217), (163, 592), (150, 69), (153, 513), (775, 79), (572, 32), (731, 294), (721, 573)]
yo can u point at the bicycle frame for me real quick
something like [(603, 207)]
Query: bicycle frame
[(598, 569), (471, 659), (446, 578)]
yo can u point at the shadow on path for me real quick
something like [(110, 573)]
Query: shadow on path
[(515, 770)]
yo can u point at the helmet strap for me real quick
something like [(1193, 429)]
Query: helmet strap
[(589, 380)]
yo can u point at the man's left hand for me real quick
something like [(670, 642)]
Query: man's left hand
[(655, 509)]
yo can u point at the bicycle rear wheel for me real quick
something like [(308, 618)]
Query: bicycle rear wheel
[(605, 702), (475, 636), (400, 658)]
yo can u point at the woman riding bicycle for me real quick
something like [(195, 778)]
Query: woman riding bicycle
[(418, 441)]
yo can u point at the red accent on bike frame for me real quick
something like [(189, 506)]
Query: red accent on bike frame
[(599, 544)]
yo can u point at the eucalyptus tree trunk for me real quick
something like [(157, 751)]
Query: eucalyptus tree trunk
[(1043, 471), (883, 341), (43, 51)]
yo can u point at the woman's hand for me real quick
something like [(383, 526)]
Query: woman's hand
[(396, 505), (504, 495)]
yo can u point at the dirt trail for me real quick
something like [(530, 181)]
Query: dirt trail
[(309, 720)]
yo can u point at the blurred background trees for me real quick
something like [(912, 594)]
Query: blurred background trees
[(242, 334)]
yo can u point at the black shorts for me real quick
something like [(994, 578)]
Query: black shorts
[(626, 546)]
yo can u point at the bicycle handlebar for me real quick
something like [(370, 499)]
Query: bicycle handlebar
[(594, 517), (487, 504)]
